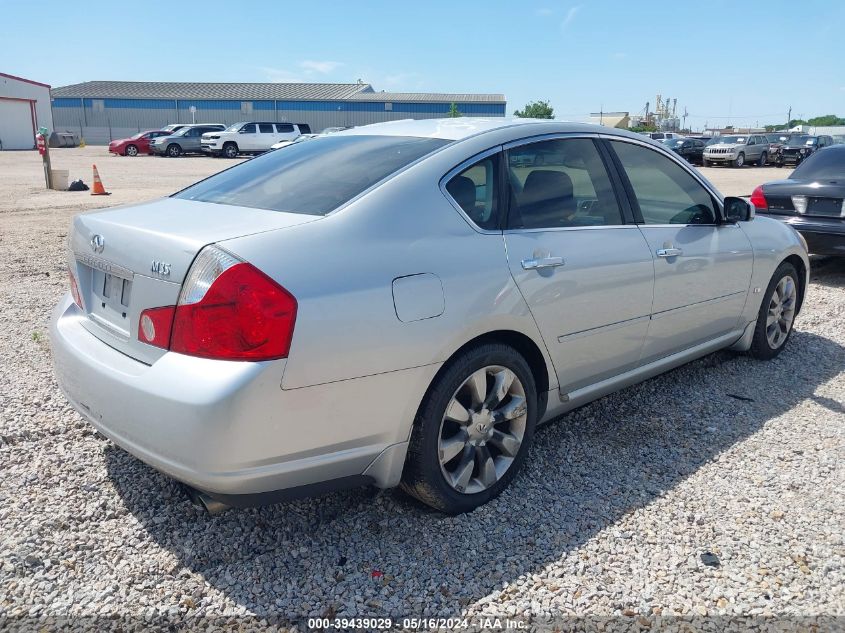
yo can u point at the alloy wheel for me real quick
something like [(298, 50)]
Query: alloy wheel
[(131, 151), (482, 429), (781, 312)]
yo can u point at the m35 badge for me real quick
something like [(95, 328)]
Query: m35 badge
[(161, 269)]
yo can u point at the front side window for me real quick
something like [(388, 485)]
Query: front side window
[(313, 178), (665, 192), (560, 183), (476, 192), (249, 128)]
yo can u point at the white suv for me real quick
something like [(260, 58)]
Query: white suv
[(250, 137)]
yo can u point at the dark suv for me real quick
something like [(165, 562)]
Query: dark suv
[(798, 147)]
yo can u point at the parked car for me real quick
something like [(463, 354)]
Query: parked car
[(251, 137), (798, 147), (186, 140), (298, 139), (403, 303), (776, 141), (736, 150), (660, 136), (838, 139), (811, 200), (175, 127), (138, 144), (332, 130), (692, 149)]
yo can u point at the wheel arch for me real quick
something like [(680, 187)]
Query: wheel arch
[(520, 342), (801, 268)]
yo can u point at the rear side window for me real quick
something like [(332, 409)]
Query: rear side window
[(304, 128), (665, 192), (314, 177), (265, 128), (284, 128), (560, 183), (475, 191)]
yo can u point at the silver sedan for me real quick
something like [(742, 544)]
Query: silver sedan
[(403, 303)]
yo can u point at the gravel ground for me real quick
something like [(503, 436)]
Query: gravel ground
[(618, 503)]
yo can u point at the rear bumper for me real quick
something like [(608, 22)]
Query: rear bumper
[(825, 236), (228, 428)]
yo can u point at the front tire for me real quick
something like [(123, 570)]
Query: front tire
[(777, 314), (740, 160), (472, 430), (131, 150), (230, 150), (174, 150), (705, 162)]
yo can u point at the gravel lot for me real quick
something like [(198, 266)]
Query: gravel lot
[(619, 500)]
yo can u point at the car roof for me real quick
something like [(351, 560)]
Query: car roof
[(456, 129)]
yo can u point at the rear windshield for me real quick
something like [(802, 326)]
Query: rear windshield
[(826, 164), (315, 177)]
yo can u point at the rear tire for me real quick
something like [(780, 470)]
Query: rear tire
[(174, 150), (777, 314), (230, 150), (459, 461), (762, 161)]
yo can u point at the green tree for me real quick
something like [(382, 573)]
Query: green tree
[(536, 110), (454, 113), (643, 128), (827, 119)]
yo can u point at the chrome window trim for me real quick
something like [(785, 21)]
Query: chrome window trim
[(591, 227), (720, 202), (457, 169)]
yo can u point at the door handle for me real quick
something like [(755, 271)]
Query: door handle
[(669, 252), (542, 262)]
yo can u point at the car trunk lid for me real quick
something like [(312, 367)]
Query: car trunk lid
[(129, 259)]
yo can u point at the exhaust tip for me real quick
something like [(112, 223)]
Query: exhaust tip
[(206, 502)]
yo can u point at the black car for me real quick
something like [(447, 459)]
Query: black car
[(690, 148), (811, 200), (798, 147)]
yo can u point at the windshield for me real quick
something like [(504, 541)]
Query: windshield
[(801, 141), (313, 178), (733, 140), (825, 164), (137, 136), (234, 127), (673, 142)]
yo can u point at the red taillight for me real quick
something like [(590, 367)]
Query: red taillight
[(243, 315), (74, 290), (227, 310), (758, 199), (155, 324)]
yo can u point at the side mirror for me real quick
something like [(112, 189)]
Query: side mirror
[(738, 210)]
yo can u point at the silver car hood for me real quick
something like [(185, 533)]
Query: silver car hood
[(169, 230), (723, 146)]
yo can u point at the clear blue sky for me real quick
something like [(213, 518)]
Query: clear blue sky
[(741, 62)]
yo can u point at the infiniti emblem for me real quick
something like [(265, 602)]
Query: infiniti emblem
[(98, 243)]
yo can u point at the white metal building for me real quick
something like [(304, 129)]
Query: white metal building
[(24, 107), (100, 111)]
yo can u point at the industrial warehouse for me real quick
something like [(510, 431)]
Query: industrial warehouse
[(100, 111)]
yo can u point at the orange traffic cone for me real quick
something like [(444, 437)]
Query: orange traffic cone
[(98, 189)]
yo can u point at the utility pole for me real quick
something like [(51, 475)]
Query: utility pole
[(788, 117)]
